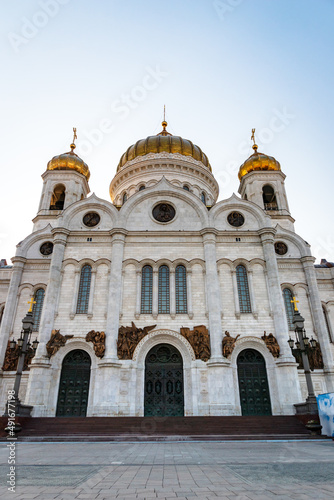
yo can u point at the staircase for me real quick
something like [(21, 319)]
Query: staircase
[(159, 429)]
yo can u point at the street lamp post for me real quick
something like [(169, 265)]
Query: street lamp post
[(302, 346), (23, 343)]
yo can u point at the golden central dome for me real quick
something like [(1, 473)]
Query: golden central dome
[(258, 161), (164, 142), (69, 161)]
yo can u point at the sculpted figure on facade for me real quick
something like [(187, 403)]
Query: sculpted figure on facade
[(199, 339), (314, 357), (12, 357), (57, 340), (99, 342), (229, 344), (128, 339), (272, 344)]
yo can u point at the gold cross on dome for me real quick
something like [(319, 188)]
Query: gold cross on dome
[(74, 134), (295, 302), (31, 302), (253, 135)]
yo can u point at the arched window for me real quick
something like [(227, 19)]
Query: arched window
[(203, 197), (243, 290), (58, 198), (1, 313), (269, 198), (181, 290), (327, 324), (125, 197), (163, 302), (141, 188), (37, 309), (84, 289), (185, 187), (146, 290), (287, 296)]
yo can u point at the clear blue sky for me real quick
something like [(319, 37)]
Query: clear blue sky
[(220, 67)]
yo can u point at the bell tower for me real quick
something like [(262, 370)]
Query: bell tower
[(65, 181), (262, 182)]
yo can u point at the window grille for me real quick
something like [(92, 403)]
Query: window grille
[(37, 309), (287, 296), (181, 290), (146, 290), (243, 290), (84, 289), (163, 302)]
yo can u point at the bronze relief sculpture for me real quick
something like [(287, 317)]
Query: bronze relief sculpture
[(272, 344), (199, 339), (128, 339), (228, 344), (99, 342), (57, 340)]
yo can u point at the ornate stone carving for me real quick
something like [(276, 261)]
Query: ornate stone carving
[(272, 344), (314, 357), (12, 357), (229, 344), (57, 340), (199, 339), (128, 339), (99, 342)]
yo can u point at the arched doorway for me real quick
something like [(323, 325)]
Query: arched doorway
[(253, 383), (164, 395), (74, 385)]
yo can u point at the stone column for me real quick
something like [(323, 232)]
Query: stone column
[(107, 375), (75, 292), (189, 295), (213, 292), (138, 293), (287, 375), (276, 297), (91, 295), (52, 291), (10, 306), (40, 377), (115, 294), (251, 293), (235, 293), (319, 320), (172, 295), (155, 293)]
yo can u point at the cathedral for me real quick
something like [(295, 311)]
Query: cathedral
[(163, 301)]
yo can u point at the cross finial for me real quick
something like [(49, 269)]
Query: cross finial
[(295, 302), (253, 139), (31, 302), (73, 146), (164, 112)]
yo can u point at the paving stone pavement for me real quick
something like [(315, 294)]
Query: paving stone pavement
[(300, 470)]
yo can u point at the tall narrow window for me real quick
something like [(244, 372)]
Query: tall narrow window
[(1, 313), (84, 289), (146, 290), (37, 309), (287, 296), (269, 198), (181, 290), (163, 303), (58, 198), (327, 324), (125, 197), (203, 197), (243, 290)]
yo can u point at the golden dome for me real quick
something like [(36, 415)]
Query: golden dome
[(164, 142), (69, 161), (258, 161)]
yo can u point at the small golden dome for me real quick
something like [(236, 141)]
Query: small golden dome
[(258, 161), (164, 142), (69, 161)]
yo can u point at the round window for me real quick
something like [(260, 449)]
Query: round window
[(46, 248), (163, 212), (91, 219), (236, 219), (281, 248)]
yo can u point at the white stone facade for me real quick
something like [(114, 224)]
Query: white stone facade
[(201, 239)]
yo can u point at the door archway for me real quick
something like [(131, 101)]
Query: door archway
[(74, 385), (163, 387), (253, 383)]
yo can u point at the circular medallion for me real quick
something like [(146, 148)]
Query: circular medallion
[(91, 219), (281, 248), (163, 212), (46, 248), (236, 219)]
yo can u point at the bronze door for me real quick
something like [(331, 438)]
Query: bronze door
[(253, 383), (74, 385), (164, 382)]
